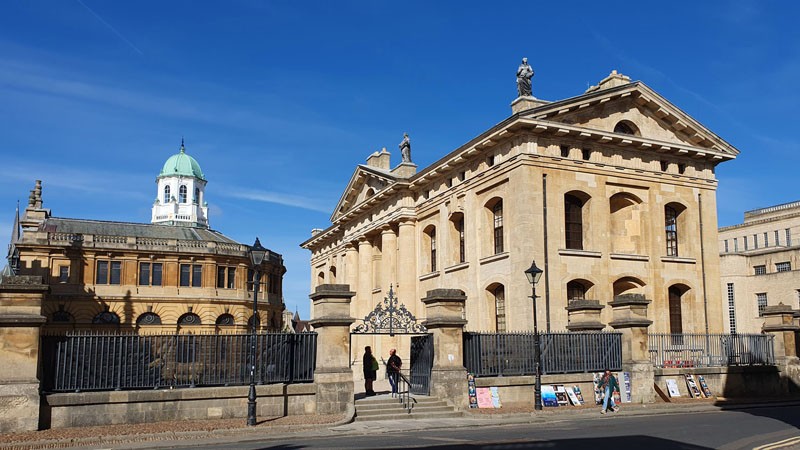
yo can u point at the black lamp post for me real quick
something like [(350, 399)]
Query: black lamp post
[(533, 274), (256, 253)]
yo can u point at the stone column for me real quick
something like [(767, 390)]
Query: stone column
[(364, 290), (407, 266), (779, 322), (388, 258), (20, 320), (584, 315), (630, 318), (333, 377), (444, 312), (351, 264)]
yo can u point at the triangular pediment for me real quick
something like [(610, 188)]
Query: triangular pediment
[(641, 111), (364, 184)]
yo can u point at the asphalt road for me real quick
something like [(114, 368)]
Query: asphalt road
[(725, 430)]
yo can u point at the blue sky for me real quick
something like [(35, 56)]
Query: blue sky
[(279, 101)]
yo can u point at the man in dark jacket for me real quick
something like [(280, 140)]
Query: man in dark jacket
[(393, 369)]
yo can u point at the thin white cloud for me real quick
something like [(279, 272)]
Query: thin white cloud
[(110, 27), (297, 201)]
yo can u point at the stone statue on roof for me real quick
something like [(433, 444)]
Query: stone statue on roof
[(524, 75), (405, 148)]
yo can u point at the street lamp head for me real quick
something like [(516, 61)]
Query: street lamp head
[(257, 253), (533, 273)]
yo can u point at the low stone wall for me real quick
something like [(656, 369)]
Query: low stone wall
[(120, 407), (731, 382), (518, 391)]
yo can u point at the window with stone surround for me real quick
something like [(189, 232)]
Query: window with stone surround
[(784, 266), (676, 294), (760, 270), (166, 194), (586, 154), (457, 237), (150, 274), (761, 302), (497, 214), (63, 274), (788, 237), (576, 291), (573, 220), (726, 246), (564, 151), (182, 194), (191, 275), (226, 277), (498, 294), (429, 234), (108, 272), (671, 230)]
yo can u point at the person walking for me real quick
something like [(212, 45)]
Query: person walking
[(370, 371), (609, 385), (393, 369)]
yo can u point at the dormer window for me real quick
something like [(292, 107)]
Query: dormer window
[(626, 127), (182, 194), (166, 194)]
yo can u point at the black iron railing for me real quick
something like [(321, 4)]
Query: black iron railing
[(710, 350), (92, 362), (505, 354)]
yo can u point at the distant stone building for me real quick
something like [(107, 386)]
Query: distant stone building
[(759, 261), (173, 274), (611, 192)]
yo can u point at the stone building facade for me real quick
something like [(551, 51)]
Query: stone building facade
[(759, 259), (611, 192), (174, 274)]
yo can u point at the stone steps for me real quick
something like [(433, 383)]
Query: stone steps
[(388, 408)]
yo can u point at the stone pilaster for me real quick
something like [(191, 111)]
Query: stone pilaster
[(584, 315), (364, 289), (630, 318), (444, 319), (407, 266), (388, 257), (20, 320), (333, 376), (351, 264), (779, 322)]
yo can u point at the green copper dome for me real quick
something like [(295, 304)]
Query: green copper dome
[(182, 164)]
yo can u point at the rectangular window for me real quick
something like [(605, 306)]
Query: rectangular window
[(220, 277), (731, 309), (788, 237), (197, 275), (785, 266), (745, 243), (63, 274), (150, 274), (755, 241), (116, 272), (766, 239), (462, 255), (760, 270), (226, 277), (490, 161), (726, 246), (736, 244), (273, 283), (761, 301), (664, 166), (102, 273), (777, 238), (681, 168), (251, 281), (586, 154), (564, 151), (231, 277), (186, 275)]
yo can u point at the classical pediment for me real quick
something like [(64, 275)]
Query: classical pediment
[(364, 184), (631, 109)]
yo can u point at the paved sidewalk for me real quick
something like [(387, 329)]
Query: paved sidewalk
[(187, 433)]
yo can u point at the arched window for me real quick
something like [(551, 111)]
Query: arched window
[(497, 215), (459, 254), (626, 226), (106, 318), (148, 318), (250, 322), (626, 127), (166, 194), (62, 316), (499, 293), (182, 194), (189, 319), (432, 240), (225, 320), (573, 222), (196, 196), (576, 291), (675, 314), (671, 230)]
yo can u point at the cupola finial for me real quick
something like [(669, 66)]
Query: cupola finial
[(183, 149)]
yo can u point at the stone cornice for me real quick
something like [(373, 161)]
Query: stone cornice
[(21, 320)]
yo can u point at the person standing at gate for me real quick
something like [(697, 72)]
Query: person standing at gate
[(370, 371), (393, 369), (609, 385)]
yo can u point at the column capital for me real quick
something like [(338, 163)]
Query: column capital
[(403, 221)]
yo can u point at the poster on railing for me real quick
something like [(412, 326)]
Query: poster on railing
[(473, 396), (484, 397), (495, 396), (626, 387), (549, 396), (691, 386), (672, 388)]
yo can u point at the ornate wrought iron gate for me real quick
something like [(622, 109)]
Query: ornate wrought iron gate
[(421, 364), (392, 318)]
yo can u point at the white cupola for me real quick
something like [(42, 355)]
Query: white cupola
[(181, 193)]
